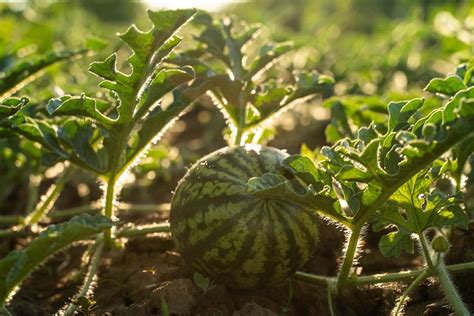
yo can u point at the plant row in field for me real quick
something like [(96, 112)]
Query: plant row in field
[(247, 215)]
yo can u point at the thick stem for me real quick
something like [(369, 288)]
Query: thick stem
[(89, 279), (136, 231), (402, 276), (238, 137), (7, 220), (426, 251), (120, 207), (450, 290), (109, 207), (447, 284), (398, 308), (350, 253)]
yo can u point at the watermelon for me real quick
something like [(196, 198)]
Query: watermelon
[(233, 237)]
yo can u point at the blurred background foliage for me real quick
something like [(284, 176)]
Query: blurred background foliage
[(376, 51)]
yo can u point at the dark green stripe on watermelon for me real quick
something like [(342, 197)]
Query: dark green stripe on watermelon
[(231, 236)]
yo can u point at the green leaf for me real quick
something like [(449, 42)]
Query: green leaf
[(304, 169), (247, 103), (415, 207), (339, 127), (16, 266), (267, 56), (11, 106), (165, 81), (116, 132), (448, 86), (78, 106), (271, 99), (366, 168), (201, 281), (149, 49), (392, 244), (155, 124), (80, 138), (27, 70), (274, 186), (38, 131), (308, 83), (152, 127)]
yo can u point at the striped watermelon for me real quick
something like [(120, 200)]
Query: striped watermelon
[(236, 238)]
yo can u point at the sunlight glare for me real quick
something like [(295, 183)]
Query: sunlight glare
[(211, 5)]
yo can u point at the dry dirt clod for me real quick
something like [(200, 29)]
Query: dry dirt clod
[(253, 309), (180, 295)]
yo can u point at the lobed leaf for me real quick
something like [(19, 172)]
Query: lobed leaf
[(11, 106), (365, 169), (414, 208), (79, 106), (26, 71), (448, 86), (273, 186), (16, 267)]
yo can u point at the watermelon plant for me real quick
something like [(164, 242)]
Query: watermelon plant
[(390, 176), (242, 79)]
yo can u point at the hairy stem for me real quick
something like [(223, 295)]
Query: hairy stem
[(120, 207), (7, 220), (89, 279), (136, 231), (401, 276), (426, 251), (450, 291), (350, 252), (401, 302), (109, 207)]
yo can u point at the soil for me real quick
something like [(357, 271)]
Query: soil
[(148, 276)]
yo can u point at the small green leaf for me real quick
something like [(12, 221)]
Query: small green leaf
[(392, 244), (267, 56), (448, 86), (78, 106), (303, 168), (165, 81), (39, 131), (274, 186), (11, 106), (80, 138), (201, 281)]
